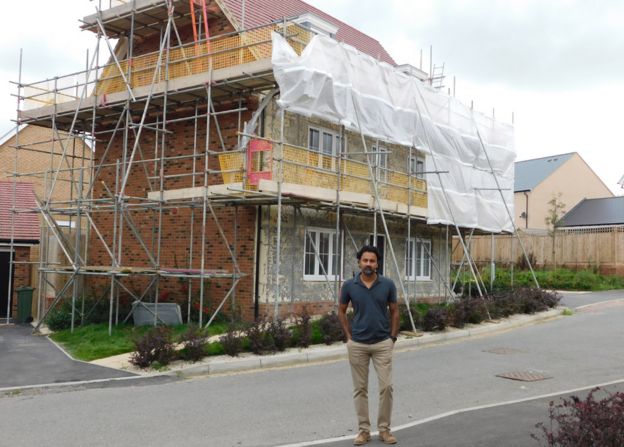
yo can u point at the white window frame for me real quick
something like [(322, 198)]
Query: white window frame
[(335, 149), (414, 161), (332, 252), (417, 244), (381, 159)]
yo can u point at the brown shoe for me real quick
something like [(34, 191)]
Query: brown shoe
[(362, 438), (386, 437)]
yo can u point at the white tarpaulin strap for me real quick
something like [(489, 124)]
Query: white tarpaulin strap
[(330, 79)]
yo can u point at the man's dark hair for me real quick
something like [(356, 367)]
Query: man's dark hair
[(370, 249)]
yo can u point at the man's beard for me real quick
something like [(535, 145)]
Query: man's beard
[(368, 271)]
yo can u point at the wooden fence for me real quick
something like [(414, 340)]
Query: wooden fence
[(590, 247)]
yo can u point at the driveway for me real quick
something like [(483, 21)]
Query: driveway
[(27, 359)]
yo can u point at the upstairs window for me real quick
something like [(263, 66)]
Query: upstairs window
[(325, 142), (381, 163), (417, 167)]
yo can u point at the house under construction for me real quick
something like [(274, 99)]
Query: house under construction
[(228, 175)]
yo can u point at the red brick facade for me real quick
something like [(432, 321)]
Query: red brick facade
[(174, 225)]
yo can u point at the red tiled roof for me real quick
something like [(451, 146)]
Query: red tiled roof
[(26, 224), (262, 12)]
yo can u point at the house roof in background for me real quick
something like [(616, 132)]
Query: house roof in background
[(530, 173), (591, 212), (26, 224), (262, 12)]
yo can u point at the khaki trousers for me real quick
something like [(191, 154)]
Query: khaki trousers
[(360, 355)]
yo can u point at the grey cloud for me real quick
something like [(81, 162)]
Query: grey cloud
[(536, 45), (547, 47)]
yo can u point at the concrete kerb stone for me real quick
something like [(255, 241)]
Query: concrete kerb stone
[(327, 353)]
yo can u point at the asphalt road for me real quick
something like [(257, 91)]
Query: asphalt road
[(577, 299), (287, 406), (502, 425), (30, 360)]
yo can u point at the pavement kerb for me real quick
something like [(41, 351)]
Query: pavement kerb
[(318, 353)]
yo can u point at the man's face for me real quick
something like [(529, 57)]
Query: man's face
[(368, 263)]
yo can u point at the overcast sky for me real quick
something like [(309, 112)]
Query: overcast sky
[(558, 65)]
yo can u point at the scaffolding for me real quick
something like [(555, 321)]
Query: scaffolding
[(181, 156)]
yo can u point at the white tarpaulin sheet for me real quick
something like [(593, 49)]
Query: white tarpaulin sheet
[(336, 82)]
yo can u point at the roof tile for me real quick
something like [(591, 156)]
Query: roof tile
[(590, 212), (262, 12), (26, 224), (530, 173)]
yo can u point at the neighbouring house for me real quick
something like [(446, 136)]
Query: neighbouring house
[(592, 235), (566, 177), (40, 152), (19, 234), (208, 191), (588, 235), (52, 162), (598, 212)]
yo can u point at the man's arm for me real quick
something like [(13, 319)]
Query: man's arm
[(342, 316), (394, 318)]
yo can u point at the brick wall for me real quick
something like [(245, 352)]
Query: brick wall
[(38, 153), (151, 43), (174, 224)]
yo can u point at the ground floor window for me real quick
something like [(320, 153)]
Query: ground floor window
[(418, 259), (321, 254)]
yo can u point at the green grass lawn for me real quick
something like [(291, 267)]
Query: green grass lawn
[(92, 342)]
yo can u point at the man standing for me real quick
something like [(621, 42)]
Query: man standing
[(371, 336)]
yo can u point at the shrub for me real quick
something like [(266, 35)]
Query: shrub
[(331, 328), (523, 264), (277, 330), (59, 317), (416, 310), (533, 300), (456, 315), (503, 304), (302, 330), (231, 342), (467, 309), (435, 319), (96, 311), (193, 344), (154, 346), (260, 339), (317, 335), (586, 280), (584, 423), (474, 309)]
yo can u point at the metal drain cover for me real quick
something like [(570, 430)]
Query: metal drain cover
[(524, 376), (503, 351)]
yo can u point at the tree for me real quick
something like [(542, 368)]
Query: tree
[(556, 210)]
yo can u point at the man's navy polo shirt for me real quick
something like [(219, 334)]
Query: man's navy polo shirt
[(371, 323)]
